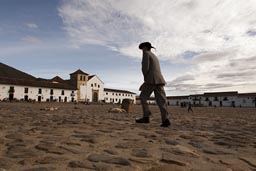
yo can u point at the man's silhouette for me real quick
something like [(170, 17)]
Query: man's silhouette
[(190, 107), (153, 82)]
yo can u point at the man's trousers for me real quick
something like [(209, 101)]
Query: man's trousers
[(160, 96)]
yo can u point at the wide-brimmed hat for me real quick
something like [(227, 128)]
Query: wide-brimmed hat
[(145, 44)]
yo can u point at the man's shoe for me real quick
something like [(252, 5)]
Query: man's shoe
[(143, 120), (165, 123)]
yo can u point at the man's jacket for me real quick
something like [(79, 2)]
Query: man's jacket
[(151, 69)]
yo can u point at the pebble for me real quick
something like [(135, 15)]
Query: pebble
[(141, 153), (171, 142)]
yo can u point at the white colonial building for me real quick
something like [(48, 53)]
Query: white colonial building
[(220, 99), (35, 90), (117, 96), (246, 100), (89, 87), (211, 99), (216, 99), (81, 87)]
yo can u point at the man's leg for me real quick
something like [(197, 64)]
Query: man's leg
[(189, 109), (146, 91), (161, 102)]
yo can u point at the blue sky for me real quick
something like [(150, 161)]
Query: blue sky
[(200, 49)]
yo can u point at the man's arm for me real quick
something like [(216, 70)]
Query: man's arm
[(145, 64)]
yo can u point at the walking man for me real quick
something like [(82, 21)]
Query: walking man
[(190, 107), (153, 82)]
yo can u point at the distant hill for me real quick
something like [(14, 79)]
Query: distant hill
[(10, 72)]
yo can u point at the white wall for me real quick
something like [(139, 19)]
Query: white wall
[(225, 103), (117, 97), (19, 93), (95, 84), (83, 92), (246, 101), (4, 91)]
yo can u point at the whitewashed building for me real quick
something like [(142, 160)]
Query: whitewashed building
[(214, 99), (117, 96), (89, 87), (81, 87), (95, 88), (246, 100), (219, 99), (36, 90)]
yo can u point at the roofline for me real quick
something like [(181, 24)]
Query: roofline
[(196, 95), (117, 90), (95, 76), (247, 94), (79, 70), (176, 97), (235, 92)]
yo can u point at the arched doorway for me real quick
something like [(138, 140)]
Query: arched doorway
[(95, 97)]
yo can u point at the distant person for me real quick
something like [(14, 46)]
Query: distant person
[(153, 82), (190, 107)]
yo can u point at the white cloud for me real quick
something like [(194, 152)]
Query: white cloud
[(218, 31), (173, 26), (32, 25)]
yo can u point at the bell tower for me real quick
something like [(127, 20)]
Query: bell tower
[(80, 79)]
